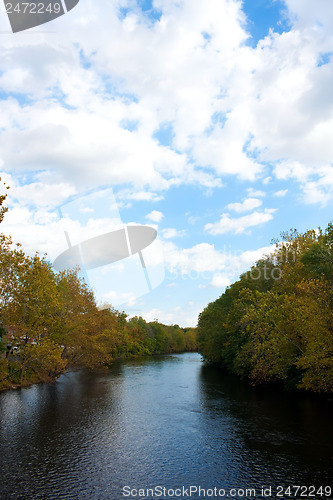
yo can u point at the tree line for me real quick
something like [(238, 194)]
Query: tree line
[(50, 322), (275, 324)]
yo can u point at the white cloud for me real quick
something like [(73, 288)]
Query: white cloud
[(255, 193), (244, 260), (155, 216), (232, 109), (42, 194), (319, 189), (289, 119), (281, 193), (171, 232), (87, 105), (191, 218), (316, 184), (181, 316), (220, 281), (305, 14), (246, 206), (200, 258), (240, 225), (204, 261), (113, 296), (72, 126), (286, 170)]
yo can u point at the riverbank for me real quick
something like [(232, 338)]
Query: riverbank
[(50, 321), (159, 420), (15, 380)]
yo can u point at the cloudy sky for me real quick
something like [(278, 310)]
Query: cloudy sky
[(211, 121)]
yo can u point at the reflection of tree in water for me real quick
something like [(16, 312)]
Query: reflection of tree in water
[(287, 435), (50, 432)]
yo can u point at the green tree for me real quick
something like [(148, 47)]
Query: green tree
[(276, 322), (191, 340), (35, 302), (3, 197), (44, 361), (13, 265), (318, 258), (271, 346)]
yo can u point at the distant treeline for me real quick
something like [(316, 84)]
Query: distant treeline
[(276, 322), (50, 322)]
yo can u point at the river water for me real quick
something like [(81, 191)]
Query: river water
[(162, 422)]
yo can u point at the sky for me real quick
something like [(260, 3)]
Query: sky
[(211, 122)]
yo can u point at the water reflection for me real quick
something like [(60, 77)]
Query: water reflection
[(282, 438), (165, 420)]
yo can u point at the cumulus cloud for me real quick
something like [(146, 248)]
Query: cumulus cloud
[(281, 193), (88, 107), (246, 206), (316, 184), (239, 225), (155, 216), (255, 193), (204, 261), (220, 281), (319, 190), (75, 120), (42, 194), (199, 258)]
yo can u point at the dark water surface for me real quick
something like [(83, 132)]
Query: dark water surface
[(167, 421)]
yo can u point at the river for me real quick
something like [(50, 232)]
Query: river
[(168, 422)]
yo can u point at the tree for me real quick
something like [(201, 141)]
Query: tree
[(272, 346), (276, 322), (316, 361), (35, 303), (318, 259), (13, 264), (3, 197), (44, 360)]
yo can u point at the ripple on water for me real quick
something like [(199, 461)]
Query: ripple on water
[(165, 421)]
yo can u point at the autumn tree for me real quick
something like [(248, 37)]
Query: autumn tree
[(3, 197), (41, 362), (276, 322), (35, 302)]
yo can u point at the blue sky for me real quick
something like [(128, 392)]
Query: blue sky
[(210, 121)]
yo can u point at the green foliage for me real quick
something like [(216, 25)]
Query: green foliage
[(270, 349), (276, 322), (318, 258), (3, 209), (156, 338), (34, 302), (44, 359), (13, 263)]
